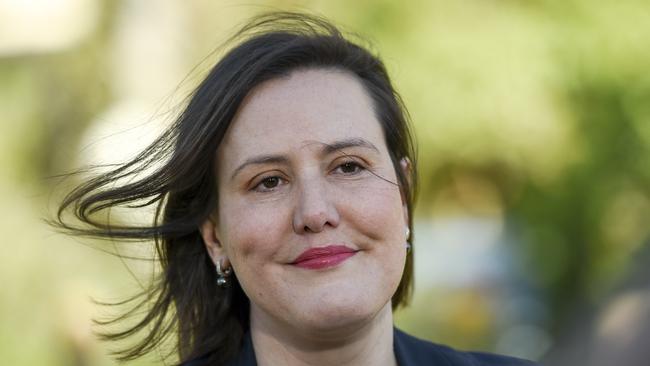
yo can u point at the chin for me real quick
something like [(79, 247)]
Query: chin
[(337, 314)]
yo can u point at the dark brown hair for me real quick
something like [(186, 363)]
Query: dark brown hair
[(210, 320)]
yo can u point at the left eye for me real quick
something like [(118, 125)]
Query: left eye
[(349, 167)]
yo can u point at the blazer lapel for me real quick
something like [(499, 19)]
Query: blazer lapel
[(246, 356)]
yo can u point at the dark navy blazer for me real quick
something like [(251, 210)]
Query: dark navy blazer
[(409, 351)]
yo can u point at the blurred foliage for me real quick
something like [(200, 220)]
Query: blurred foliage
[(537, 112)]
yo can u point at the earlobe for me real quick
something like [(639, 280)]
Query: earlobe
[(211, 241), (405, 165), (405, 210)]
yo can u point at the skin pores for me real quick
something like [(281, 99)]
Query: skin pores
[(305, 165)]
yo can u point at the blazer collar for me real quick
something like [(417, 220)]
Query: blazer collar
[(401, 346)]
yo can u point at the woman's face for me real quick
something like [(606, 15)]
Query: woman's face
[(309, 216)]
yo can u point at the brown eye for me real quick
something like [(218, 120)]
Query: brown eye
[(349, 167), (270, 182)]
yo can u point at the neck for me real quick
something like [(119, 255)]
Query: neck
[(367, 343)]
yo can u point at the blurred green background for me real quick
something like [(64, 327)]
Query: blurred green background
[(533, 125)]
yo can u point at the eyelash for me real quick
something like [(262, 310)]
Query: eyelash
[(352, 163), (349, 163), (259, 187)]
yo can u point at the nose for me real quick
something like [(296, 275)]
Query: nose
[(315, 210)]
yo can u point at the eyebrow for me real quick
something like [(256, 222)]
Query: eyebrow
[(347, 143), (328, 148)]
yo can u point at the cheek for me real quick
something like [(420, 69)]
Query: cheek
[(251, 232), (253, 237), (376, 210)]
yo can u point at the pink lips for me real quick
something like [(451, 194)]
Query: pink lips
[(323, 257)]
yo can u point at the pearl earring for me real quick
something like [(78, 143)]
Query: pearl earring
[(408, 235), (222, 275)]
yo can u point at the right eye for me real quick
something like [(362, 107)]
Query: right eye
[(268, 184)]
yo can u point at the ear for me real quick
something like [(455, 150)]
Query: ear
[(212, 243), (405, 165)]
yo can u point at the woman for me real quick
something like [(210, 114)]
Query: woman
[(284, 197)]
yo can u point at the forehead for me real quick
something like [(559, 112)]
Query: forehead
[(293, 112)]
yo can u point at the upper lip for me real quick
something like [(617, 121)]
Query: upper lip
[(325, 251)]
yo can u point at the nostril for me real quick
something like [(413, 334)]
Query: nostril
[(315, 222), (314, 211)]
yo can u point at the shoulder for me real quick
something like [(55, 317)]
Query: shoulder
[(245, 356), (410, 350)]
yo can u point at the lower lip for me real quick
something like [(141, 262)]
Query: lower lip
[(325, 261)]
